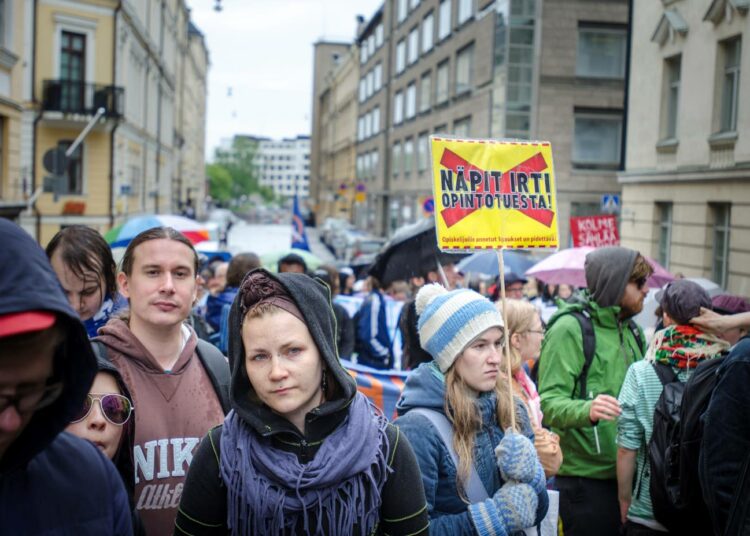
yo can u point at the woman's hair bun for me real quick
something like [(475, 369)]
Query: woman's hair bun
[(426, 294)]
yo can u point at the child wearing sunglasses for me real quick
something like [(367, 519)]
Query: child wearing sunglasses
[(106, 419)]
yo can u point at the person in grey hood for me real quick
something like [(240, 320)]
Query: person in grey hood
[(51, 482), (578, 395), (302, 451)]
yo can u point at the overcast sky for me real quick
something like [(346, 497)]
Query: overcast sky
[(261, 53)]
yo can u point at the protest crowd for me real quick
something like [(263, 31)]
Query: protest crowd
[(175, 394)]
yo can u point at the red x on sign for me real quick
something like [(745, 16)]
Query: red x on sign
[(536, 163)]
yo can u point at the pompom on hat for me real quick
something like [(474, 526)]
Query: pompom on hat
[(449, 321)]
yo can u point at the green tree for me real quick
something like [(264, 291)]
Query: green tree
[(220, 182), (239, 163)]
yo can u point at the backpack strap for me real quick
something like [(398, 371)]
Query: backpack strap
[(589, 349), (665, 372), (475, 490), (633, 327), (217, 368)]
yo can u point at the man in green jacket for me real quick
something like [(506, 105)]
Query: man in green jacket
[(616, 279)]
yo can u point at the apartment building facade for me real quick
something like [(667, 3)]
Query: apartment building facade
[(336, 139), (13, 21), (686, 183), (521, 69), (82, 56), (284, 166)]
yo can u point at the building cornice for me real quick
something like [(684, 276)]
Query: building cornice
[(740, 171)]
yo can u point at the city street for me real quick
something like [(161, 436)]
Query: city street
[(267, 238)]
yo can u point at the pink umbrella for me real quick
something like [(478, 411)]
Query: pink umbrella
[(566, 266)]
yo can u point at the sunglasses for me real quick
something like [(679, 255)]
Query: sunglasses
[(115, 408)]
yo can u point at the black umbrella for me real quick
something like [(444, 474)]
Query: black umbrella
[(411, 252)]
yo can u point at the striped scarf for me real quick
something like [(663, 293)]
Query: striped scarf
[(684, 347)]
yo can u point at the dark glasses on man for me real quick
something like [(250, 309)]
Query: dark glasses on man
[(115, 408)]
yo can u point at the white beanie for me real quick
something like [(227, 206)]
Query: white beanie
[(449, 321)]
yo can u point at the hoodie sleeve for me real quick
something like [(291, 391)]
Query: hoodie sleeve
[(560, 364)]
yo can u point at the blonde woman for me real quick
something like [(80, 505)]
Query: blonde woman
[(526, 331), (479, 476)]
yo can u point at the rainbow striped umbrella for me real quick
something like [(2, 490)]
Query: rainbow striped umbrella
[(121, 235)]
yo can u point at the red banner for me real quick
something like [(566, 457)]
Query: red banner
[(594, 231)]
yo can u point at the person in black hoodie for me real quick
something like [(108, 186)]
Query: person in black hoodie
[(51, 482), (302, 451)]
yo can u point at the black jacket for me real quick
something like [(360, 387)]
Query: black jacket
[(203, 503), (725, 450), (52, 481)]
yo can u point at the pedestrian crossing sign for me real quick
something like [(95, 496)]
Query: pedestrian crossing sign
[(610, 203)]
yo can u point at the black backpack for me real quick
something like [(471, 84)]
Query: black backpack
[(674, 449)]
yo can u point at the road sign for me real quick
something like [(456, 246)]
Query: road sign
[(55, 161), (610, 203), (428, 205)]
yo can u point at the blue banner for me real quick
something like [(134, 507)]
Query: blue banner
[(299, 236)]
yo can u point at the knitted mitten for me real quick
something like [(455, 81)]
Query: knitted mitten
[(511, 509), (518, 461)]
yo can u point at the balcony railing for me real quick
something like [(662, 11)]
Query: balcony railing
[(75, 97)]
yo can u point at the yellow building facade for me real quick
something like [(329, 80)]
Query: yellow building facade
[(73, 77)]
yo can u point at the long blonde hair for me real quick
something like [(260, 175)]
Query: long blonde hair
[(519, 318), (460, 407)]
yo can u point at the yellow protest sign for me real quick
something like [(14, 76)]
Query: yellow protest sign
[(493, 194)]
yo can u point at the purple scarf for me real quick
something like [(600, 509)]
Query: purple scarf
[(269, 491)]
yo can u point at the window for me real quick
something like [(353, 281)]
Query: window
[(444, 21), (601, 51), (368, 125), (464, 67), (74, 169), (374, 157), (721, 216), (427, 32), (441, 89), (379, 35), (672, 67), (73, 71), (376, 120), (360, 129), (400, 56), (413, 4), (462, 127), (465, 10), (371, 45), (408, 155), (396, 158), (413, 45), (598, 138), (360, 166), (378, 76), (411, 100), (370, 83), (423, 151), (401, 10), (398, 108), (362, 52), (441, 129), (362, 90), (425, 92), (731, 84), (664, 212)]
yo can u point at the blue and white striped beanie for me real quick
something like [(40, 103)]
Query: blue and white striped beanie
[(449, 321)]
